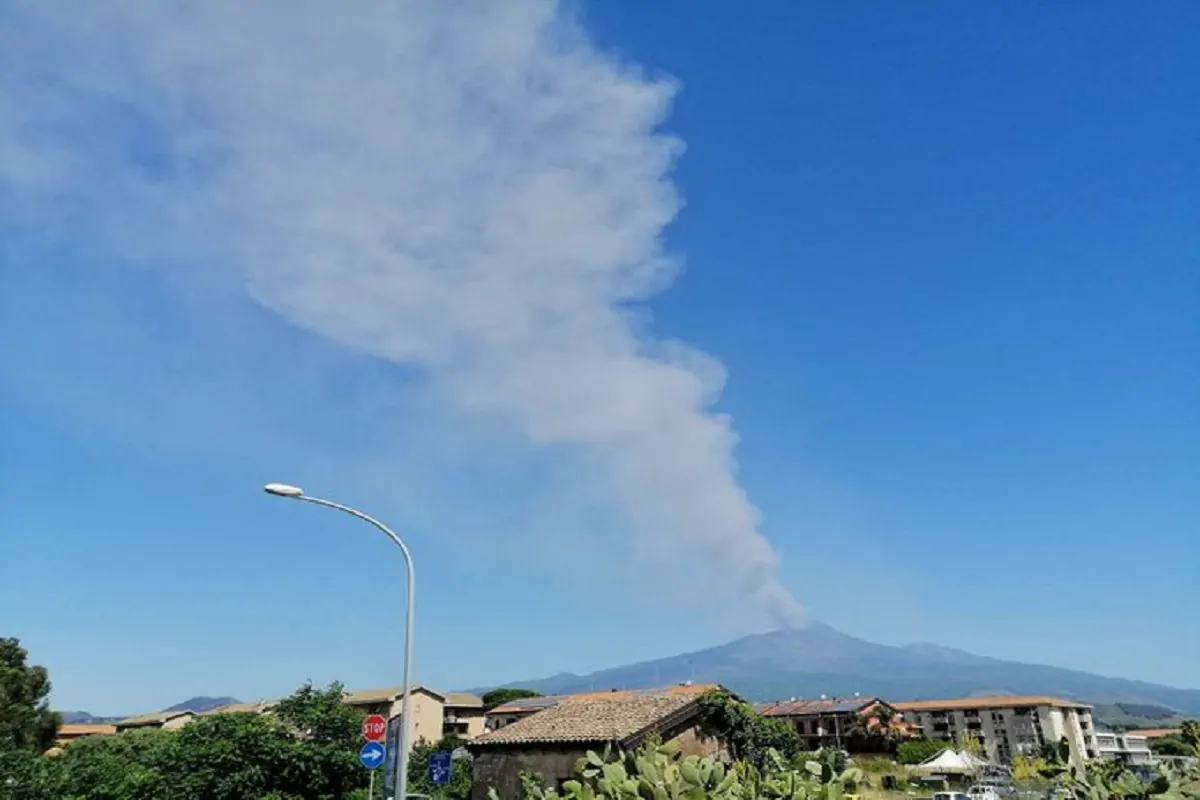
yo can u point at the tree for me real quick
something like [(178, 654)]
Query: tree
[(1173, 745), (970, 743), (324, 758), (26, 721), (1190, 733), (305, 750), (459, 787), (498, 697), (750, 736), (874, 730), (25, 775), (126, 766)]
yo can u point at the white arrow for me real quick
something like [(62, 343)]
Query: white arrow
[(372, 755)]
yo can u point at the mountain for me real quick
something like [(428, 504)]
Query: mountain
[(1133, 716), (196, 704), (816, 660), (199, 704)]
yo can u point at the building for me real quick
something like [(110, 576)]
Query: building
[(550, 741), (1157, 733), (514, 710), (463, 715), (166, 720), (1007, 726), (260, 707), (508, 713), (828, 722), (69, 732), (427, 712), (1131, 748)]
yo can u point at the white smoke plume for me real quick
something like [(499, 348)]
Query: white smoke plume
[(468, 188)]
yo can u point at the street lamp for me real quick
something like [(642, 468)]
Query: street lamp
[(295, 493)]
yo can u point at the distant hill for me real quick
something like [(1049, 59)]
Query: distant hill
[(199, 704), (1132, 716), (196, 704), (817, 659)]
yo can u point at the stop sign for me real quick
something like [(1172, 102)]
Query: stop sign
[(374, 728)]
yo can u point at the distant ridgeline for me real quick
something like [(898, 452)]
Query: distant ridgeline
[(1133, 716)]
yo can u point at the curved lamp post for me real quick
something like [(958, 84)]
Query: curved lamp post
[(294, 493)]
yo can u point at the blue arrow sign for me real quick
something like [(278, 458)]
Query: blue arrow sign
[(371, 755), (439, 769)]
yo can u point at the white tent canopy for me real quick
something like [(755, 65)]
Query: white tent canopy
[(952, 761)]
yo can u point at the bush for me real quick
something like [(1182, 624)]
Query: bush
[(218, 757), (750, 735), (914, 751)]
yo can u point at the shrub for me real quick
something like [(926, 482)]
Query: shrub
[(914, 751)]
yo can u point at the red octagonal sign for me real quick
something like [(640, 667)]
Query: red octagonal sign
[(374, 728)]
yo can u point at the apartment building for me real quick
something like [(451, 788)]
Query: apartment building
[(463, 715), (1007, 726), (433, 714)]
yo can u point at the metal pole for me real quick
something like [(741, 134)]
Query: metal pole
[(405, 703), (371, 787)]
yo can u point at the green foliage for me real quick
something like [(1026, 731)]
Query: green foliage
[(1190, 733), (749, 735), (1171, 746), (969, 743), (914, 751), (874, 731), (25, 775), (305, 751), (660, 772), (26, 721), (498, 697), (1108, 780), (129, 766), (459, 787)]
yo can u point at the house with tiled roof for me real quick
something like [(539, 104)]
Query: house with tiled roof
[(520, 708), (550, 741), (70, 731), (830, 721)]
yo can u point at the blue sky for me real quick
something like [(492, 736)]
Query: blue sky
[(635, 322)]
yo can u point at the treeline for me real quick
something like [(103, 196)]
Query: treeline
[(306, 749)]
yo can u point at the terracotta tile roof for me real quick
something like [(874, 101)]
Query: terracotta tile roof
[(998, 701), (1158, 733), (76, 729), (594, 720), (386, 694), (463, 700), (152, 719), (527, 704)]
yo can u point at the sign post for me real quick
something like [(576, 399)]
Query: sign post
[(393, 750), (374, 728), (373, 754), (439, 768)]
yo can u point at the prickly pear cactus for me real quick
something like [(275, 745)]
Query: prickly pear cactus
[(661, 772)]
